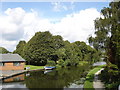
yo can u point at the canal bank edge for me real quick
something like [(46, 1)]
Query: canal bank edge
[(32, 68), (90, 77), (17, 73)]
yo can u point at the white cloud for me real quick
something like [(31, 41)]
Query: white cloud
[(10, 45), (58, 6), (77, 26), (18, 24)]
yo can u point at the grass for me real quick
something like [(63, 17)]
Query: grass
[(32, 67), (90, 77)]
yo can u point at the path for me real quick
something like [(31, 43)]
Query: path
[(97, 83)]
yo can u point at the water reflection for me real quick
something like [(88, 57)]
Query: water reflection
[(63, 78), (17, 78), (13, 85), (47, 71), (14, 82)]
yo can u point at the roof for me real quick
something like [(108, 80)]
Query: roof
[(10, 58)]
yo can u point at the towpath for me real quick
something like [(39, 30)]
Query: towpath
[(97, 83)]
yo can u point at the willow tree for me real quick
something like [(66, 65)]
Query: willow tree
[(108, 32)]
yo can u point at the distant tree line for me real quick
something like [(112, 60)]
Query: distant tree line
[(44, 48)]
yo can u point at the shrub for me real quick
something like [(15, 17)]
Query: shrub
[(60, 62), (81, 63), (67, 62), (51, 63), (58, 66), (110, 76)]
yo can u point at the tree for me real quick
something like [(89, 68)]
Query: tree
[(42, 47), (57, 44), (107, 40), (108, 33), (3, 50), (73, 54), (82, 47), (19, 48), (87, 52)]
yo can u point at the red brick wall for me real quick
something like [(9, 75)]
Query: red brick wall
[(10, 66)]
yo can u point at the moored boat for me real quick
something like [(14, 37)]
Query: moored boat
[(49, 67)]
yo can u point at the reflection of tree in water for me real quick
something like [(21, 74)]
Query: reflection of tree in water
[(55, 79)]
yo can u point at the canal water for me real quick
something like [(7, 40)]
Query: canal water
[(72, 77)]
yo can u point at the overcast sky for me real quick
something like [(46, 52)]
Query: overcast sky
[(74, 21)]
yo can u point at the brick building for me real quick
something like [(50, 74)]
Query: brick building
[(11, 62)]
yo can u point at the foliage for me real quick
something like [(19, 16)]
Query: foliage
[(19, 48), (3, 50), (107, 39), (41, 48), (67, 62), (51, 63), (72, 52), (60, 62), (82, 63), (108, 33), (88, 53), (111, 76), (44, 48)]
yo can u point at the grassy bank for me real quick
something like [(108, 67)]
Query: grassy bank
[(32, 67), (90, 77)]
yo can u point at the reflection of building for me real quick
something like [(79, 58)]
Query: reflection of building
[(15, 78), (11, 62)]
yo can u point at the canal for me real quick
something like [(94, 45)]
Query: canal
[(72, 77)]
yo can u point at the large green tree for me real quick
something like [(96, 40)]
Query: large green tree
[(42, 47), (108, 32), (107, 40)]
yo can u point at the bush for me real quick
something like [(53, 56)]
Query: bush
[(110, 76), (60, 62), (81, 63), (58, 66), (113, 85), (51, 63), (67, 62)]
